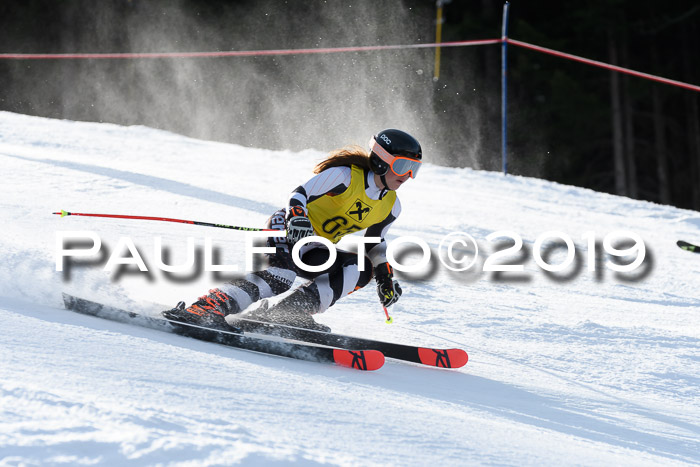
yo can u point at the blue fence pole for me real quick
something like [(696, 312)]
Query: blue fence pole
[(504, 90)]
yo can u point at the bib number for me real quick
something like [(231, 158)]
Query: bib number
[(338, 227)]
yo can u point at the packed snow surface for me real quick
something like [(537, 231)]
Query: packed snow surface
[(577, 367)]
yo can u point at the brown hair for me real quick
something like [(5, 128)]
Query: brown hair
[(345, 157)]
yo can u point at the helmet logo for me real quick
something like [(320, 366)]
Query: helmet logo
[(385, 138)]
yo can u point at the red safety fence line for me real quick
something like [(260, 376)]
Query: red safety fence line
[(326, 50), (243, 53), (604, 65)]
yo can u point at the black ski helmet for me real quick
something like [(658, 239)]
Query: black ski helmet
[(397, 143)]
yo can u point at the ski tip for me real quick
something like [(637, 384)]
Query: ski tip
[(62, 213), (688, 246), (443, 358), (367, 360)]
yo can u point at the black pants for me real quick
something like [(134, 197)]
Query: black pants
[(339, 279)]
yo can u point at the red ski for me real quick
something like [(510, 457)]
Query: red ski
[(441, 358)]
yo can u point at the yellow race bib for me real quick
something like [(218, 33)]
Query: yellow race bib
[(334, 216)]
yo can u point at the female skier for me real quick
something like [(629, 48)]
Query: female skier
[(353, 190)]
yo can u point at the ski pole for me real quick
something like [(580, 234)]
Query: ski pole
[(389, 319), (164, 219)]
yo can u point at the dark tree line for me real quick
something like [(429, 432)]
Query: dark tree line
[(569, 122), (590, 127)]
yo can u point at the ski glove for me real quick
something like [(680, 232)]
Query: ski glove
[(388, 289), (298, 225)]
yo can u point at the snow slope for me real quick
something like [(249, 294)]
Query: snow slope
[(585, 368)]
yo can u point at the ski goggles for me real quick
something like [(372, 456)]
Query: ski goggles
[(400, 165)]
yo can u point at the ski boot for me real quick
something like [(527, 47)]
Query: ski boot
[(293, 310), (209, 311)]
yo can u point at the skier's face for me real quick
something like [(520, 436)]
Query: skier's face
[(393, 181)]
